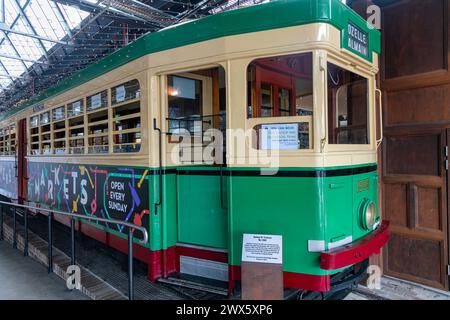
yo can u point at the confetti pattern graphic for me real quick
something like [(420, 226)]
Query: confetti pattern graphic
[(120, 193)]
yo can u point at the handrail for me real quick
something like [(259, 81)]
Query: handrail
[(91, 218), (131, 228), (380, 102)]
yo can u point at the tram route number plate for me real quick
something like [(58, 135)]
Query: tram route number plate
[(262, 248)]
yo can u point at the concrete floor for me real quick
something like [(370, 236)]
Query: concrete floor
[(25, 279), (396, 289)]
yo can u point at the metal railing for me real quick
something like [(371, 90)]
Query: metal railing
[(131, 228)]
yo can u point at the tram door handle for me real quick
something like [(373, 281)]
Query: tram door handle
[(323, 134), (380, 110)]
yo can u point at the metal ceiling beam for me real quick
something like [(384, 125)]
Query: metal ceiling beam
[(35, 36), (6, 70), (9, 76), (188, 13), (92, 8), (20, 58)]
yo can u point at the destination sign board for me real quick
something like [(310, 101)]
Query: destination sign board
[(358, 40)]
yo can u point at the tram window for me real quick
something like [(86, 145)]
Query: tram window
[(185, 99), (59, 113), (34, 135), (45, 118), (45, 136), (280, 86), (75, 108), (59, 130), (125, 92), (12, 139), (347, 107), (8, 140), (126, 122), (98, 124), (76, 135), (97, 101)]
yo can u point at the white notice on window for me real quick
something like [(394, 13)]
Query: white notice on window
[(262, 248), (96, 101), (120, 93), (279, 136)]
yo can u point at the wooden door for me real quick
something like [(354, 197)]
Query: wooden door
[(415, 193), (415, 79)]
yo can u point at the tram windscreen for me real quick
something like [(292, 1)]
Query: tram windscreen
[(348, 117), (280, 86)]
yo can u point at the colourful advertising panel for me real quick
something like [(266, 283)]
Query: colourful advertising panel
[(8, 179), (120, 193)]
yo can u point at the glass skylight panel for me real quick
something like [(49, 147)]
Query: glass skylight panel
[(73, 16), (10, 12), (46, 20)]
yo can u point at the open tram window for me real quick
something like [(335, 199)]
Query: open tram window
[(185, 99), (76, 135), (34, 135), (75, 108), (348, 117), (2, 142), (196, 107), (126, 120), (98, 123), (13, 139), (59, 130), (280, 86), (281, 89), (46, 146)]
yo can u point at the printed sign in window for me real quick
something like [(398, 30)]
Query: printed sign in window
[(279, 136)]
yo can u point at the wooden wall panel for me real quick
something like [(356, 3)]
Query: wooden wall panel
[(425, 105), (402, 258), (429, 209), (395, 204), (414, 38), (413, 154)]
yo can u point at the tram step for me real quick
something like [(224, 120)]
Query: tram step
[(194, 285)]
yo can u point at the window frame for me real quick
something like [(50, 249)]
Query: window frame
[(83, 117), (352, 67), (207, 97), (251, 123), (10, 142)]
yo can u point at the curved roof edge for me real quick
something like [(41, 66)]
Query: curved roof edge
[(272, 15)]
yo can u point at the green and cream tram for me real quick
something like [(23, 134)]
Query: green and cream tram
[(261, 120)]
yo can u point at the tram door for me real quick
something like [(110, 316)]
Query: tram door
[(196, 124)]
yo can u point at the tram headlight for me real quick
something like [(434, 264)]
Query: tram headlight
[(368, 215)]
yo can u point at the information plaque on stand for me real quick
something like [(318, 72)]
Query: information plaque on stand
[(262, 267)]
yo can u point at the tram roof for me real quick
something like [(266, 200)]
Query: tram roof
[(267, 16)]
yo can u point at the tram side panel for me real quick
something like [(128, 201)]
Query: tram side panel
[(8, 179), (280, 205), (111, 192)]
